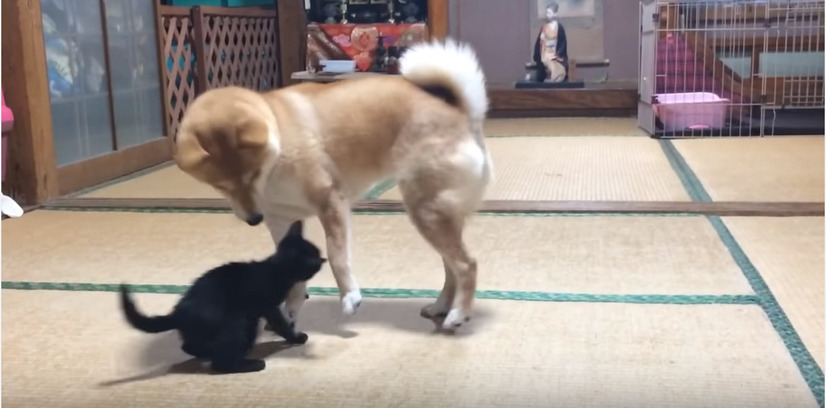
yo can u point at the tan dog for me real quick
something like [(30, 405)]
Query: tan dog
[(314, 149)]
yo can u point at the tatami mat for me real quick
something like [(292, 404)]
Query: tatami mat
[(758, 169), (563, 127), (603, 255), (73, 349), (598, 155), (574, 168), (788, 252), (167, 182)]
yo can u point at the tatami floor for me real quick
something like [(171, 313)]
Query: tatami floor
[(594, 309)]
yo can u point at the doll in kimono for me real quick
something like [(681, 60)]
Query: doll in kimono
[(550, 52)]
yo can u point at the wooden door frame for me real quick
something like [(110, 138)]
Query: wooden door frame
[(31, 168), (32, 173), (438, 18), (292, 38), (119, 162)]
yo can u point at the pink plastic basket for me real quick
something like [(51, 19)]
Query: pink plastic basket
[(692, 110)]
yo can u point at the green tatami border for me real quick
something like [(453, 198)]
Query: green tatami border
[(812, 373), (388, 293), (692, 184), (379, 189)]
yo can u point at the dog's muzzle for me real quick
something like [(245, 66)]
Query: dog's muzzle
[(254, 219)]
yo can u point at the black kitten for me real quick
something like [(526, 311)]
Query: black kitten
[(218, 316)]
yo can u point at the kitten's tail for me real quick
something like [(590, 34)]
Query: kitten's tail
[(155, 324)]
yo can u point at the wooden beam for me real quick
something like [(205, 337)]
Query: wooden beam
[(438, 18), (292, 38), (552, 99), (718, 208), (31, 164)]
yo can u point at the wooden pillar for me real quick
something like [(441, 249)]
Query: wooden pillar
[(292, 38), (438, 19), (31, 173)]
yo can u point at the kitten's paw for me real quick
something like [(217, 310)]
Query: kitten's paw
[(300, 338), (244, 366), (251, 366), (289, 314), (455, 319), (350, 302), (434, 311)]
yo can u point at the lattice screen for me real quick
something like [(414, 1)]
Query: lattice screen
[(240, 50), (210, 47), (179, 62)]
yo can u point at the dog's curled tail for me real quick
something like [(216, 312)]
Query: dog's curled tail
[(449, 70), (156, 324)]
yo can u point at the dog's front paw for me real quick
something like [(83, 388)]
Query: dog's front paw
[(350, 302), (455, 319)]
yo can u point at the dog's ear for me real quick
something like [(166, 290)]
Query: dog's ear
[(189, 153), (253, 134), (296, 229)]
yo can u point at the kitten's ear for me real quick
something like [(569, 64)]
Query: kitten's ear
[(296, 229), (315, 264)]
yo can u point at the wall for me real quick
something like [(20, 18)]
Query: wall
[(503, 32), (497, 29), (621, 38)]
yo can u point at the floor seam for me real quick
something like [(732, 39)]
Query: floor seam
[(180, 210)]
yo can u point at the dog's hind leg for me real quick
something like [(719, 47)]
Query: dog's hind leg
[(439, 309), (439, 196), (443, 230)]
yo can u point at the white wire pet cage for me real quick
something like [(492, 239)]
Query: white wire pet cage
[(731, 67)]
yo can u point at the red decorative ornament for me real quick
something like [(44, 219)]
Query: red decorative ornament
[(364, 38)]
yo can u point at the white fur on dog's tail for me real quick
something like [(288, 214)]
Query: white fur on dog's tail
[(451, 71)]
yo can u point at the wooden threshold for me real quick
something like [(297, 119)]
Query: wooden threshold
[(720, 208), (26, 209), (101, 169)]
